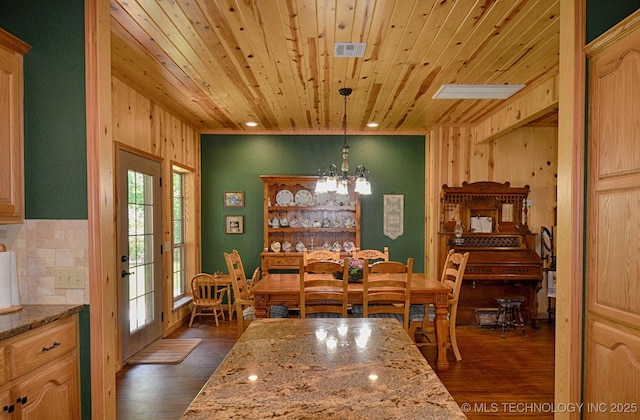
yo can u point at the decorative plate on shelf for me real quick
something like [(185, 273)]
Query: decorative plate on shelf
[(348, 246), (303, 198), (284, 198), (299, 246), (321, 199), (286, 246), (341, 199), (336, 247), (275, 246)]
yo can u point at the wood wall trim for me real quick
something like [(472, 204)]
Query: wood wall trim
[(628, 25), (537, 101), (101, 210), (570, 229), (13, 43)]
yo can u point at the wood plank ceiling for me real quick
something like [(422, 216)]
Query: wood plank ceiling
[(218, 64)]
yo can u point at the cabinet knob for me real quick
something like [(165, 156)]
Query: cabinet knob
[(22, 400), (9, 408)]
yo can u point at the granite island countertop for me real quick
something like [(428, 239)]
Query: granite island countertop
[(309, 369), (33, 316)]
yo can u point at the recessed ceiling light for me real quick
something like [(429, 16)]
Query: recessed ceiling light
[(251, 124), (476, 91), (372, 124)]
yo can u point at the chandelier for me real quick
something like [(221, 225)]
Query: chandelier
[(329, 180)]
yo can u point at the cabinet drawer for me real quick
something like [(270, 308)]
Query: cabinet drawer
[(29, 353), (276, 261)]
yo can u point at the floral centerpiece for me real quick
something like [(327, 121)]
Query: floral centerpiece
[(355, 270)]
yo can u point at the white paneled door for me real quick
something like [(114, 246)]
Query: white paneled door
[(139, 252)]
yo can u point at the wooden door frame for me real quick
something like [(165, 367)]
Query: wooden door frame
[(101, 210), (570, 228)]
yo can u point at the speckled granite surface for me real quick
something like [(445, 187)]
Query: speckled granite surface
[(285, 368), (33, 316)]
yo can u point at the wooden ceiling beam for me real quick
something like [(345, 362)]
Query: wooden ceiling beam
[(537, 101)]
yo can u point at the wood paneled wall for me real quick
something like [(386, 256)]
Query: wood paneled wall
[(526, 156), (141, 126)]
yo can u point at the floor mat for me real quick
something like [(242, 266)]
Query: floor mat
[(165, 351)]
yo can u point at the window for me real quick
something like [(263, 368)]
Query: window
[(178, 235)]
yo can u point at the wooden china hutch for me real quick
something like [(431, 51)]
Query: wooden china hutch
[(296, 218), (489, 220)]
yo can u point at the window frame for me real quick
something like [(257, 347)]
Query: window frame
[(181, 245)]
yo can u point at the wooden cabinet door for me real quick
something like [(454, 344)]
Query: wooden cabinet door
[(53, 394), (5, 405), (612, 336), (11, 129)]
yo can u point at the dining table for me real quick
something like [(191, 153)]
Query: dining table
[(284, 289), (324, 368)]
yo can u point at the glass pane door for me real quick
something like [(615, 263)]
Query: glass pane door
[(139, 253)]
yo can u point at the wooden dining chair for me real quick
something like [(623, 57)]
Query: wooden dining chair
[(319, 255), (452, 275), (321, 294), (255, 278), (373, 255), (387, 296), (207, 295), (243, 301)]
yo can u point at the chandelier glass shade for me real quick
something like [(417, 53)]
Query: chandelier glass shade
[(330, 180)]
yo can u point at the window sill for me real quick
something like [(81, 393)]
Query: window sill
[(179, 303)]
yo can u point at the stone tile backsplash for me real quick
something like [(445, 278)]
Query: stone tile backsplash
[(41, 246)]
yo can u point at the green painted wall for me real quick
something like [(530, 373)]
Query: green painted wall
[(54, 99), (235, 163), (603, 15), (54, 119)]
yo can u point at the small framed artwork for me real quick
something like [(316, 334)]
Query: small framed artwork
[(233, 224), (234, 199)]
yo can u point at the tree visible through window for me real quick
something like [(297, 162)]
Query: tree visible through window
[(178, 235)]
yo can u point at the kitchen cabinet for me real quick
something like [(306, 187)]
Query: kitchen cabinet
[(12, 51), (41, 372), (296, 218)]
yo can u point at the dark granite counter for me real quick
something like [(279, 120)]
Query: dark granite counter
[(33, 316), (324, 369)]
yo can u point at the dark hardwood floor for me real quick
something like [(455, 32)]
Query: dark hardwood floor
[(509, 377)]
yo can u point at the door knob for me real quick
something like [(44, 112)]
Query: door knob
[(125, 273), (124, 258)]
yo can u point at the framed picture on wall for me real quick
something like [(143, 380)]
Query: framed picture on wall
[(233, 224), (234, 199)]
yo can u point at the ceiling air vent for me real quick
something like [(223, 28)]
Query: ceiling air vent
[(476, 91), (349, 49)]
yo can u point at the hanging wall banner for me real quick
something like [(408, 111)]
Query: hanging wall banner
[(393, 215)]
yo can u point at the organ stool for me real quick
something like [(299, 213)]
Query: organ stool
[(508, 306)]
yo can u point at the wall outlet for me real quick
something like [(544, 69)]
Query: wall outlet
[(68, 278)]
